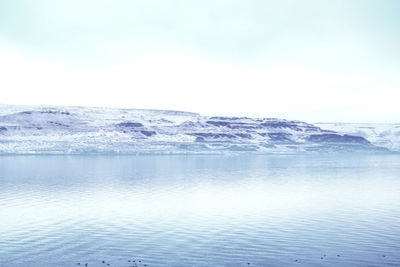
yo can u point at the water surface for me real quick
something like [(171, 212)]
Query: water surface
[(200, 210)]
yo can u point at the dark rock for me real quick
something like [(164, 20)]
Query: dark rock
[(214, 135), (336, 138), (58, 124), (280, 137), (244, 135), (218, 123), (130, 124), (52, 112), (274, 124), (148, 133)]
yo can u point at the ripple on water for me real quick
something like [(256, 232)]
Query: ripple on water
[(197, 211)]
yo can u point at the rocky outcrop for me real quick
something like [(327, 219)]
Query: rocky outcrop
[(104, 130)]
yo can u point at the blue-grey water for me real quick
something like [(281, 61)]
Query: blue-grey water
[(200, 210)]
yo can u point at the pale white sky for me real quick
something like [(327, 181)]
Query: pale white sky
[(311, 62)]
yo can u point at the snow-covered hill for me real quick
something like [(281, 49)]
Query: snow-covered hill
[(29, 129), (379, 134)]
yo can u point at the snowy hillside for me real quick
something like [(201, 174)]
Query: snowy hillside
[(28, 129), (379, 134)]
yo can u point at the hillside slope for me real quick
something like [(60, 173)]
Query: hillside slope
[(60, 130)]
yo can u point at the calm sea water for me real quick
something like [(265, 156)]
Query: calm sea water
[(200, 210)]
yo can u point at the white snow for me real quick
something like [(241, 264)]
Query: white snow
[(51, 129), (380, 134)]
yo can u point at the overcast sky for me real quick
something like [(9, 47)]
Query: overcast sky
[(319, 60)]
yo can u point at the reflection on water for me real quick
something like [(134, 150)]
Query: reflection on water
[(200, 210)]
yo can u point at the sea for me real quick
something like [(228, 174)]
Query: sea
[(200, 210)]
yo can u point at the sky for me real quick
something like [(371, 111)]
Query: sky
[(311, 60)]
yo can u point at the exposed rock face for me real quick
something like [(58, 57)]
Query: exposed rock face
[(337, 139), (25, 129), (379, 134)]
